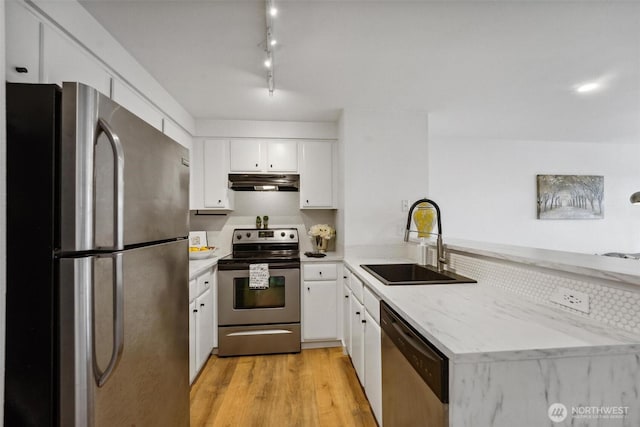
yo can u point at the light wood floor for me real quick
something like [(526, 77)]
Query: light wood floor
[(314, 388)]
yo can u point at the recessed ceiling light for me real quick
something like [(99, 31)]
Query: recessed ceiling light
[(273, 42), (267, 63), (587, 87), (273, 11)]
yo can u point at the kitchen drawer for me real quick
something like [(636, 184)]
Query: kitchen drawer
[(346, 277), (192, 289), (203, 282), (320, 271), (372, 304), (357, 287)]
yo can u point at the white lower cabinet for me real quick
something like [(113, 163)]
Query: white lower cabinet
[(192, 340), (373, 365), (346, 318), (357, 337), (320, 301), (320, 311), (202, 321), (362, 337), (204, 328)]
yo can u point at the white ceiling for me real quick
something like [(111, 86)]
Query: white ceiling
[(501, 69)]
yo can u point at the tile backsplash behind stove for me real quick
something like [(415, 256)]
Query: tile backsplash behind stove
[(283, 209)]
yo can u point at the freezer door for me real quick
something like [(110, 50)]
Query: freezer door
[(124, 349), (122, 181)]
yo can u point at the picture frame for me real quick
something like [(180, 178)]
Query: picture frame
[(570, 197), (198, 238)]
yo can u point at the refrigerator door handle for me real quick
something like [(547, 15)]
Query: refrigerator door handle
[(118, 325), (118, 183)]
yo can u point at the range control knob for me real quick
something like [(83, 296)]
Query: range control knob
[(248, 234), (282, 234), (238, 236), (291, 236)]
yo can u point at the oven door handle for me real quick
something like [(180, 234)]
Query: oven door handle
[(260, 332), (240, 266)]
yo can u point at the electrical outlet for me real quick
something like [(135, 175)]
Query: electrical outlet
[(405, 206), (570, 298)]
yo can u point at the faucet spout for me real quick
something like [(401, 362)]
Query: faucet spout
[(439, 244)]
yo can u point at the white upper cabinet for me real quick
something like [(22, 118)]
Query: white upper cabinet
[(209, 166), (216, 180), (254, 156), (22, 44), (133, 102), (245, 155), (317, 175), (282, 156), (175, 132), (63, 61)]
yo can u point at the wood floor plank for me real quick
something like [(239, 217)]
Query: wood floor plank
[(317, 387)]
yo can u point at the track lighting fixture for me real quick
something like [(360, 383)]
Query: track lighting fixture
[(270, 42)]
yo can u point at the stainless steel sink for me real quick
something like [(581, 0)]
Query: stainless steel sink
[(413, 274)]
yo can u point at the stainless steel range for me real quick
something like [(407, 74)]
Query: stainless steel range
[(260, 319)]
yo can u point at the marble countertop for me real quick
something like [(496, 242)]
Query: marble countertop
[(199, 265), (480, 322), (598, 266), (331, 257)]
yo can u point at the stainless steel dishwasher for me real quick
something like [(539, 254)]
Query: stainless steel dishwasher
[(415, 376)]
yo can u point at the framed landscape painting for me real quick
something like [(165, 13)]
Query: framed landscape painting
[(570, 196)]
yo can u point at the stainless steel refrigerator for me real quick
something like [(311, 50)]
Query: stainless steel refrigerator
[(97, 264)]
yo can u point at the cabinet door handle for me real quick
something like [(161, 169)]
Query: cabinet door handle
[(202, 305), (271, 166), (346, 296), (358, 313), (219, 201), (307, 202), (320, 272), (256, 165), (364, 321), (344, 277), (195, 310), (22, 70)]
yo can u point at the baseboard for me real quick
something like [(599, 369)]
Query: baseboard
[(321, 344)]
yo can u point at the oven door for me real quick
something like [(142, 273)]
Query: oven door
[(238, 304)]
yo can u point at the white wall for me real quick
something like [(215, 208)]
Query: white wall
[(266, 129), (487, 192), (3, 217), (385, 161)]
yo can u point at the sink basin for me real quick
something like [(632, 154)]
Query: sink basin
[(413, 274)]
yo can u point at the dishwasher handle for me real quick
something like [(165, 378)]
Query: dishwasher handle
[(426, 360)]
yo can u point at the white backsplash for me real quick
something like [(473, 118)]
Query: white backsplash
[(610, 303), (283, 209)]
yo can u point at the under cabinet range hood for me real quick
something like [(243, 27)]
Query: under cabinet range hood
[(264, 182)]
